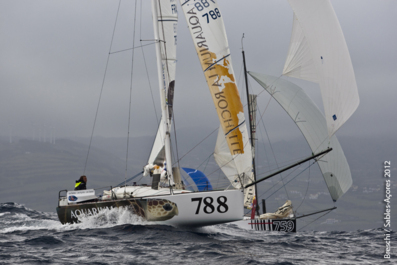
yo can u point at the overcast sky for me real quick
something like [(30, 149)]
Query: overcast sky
[(53, 56)]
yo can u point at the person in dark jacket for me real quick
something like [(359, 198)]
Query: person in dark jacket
[(81, 183)]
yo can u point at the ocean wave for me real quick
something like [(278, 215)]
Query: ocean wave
[(118, 236), (19, 218)]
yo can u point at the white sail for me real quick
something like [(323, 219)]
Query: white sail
[(157, 155), (165, 18), (313, 126), (318, 52), (233, 149), (231, 164)]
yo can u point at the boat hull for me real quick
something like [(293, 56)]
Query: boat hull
[(187, 209)]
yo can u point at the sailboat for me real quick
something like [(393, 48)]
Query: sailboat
[(317, 52), (166, 200)]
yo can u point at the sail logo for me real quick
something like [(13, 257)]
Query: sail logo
[(173, 8), (219, 74), (73, 198), (76, 214)]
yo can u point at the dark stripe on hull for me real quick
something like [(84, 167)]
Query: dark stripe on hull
[(70, 213), (153, 209)]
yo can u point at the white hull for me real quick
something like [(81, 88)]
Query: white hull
[(190, 214), (180, 209)]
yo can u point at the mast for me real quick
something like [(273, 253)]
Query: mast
[(163, 89), (252, 139)]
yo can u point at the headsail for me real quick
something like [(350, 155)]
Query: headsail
[(312, 124), (318, 53), (230, 164), (206, 26), (166, 18)]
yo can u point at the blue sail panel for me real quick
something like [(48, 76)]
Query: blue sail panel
[(199, 179)]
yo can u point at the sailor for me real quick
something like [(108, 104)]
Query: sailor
[(148, 170), (81, 183), (163, 176)]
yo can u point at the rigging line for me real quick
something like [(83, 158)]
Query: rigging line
[(198, 144), (289, 180), (280, 181), (220, 167), (208, 160), (325, 139), (150, 85), (154, 40), (264, 147), (267, 105), (169, 78), (182, 4), (103, 84), (129, 109), (128, 180), (176, 142), (139, 179), (144, 60), (133, 48), (231, 130), (316, 219), (307, 189), (224, 57), (271, 147), (165, 50), (285, 163), (140, 21), (271, 84), (165, 44)]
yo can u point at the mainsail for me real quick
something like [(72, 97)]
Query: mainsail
[(165, 18), (233, 149), (318, 53), (313, 126)]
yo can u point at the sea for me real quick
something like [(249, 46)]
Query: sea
[(28, 236)]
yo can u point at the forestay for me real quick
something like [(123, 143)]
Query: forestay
[(166, 17), (318, 53), (233, 149), (312, 123)]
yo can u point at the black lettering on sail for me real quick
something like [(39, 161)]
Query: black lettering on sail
[(191, 11), (216, 84), (202, 44), (193, 20), (200, 36), (222, 104), (227, 111), (206, 53), (201, 30)]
